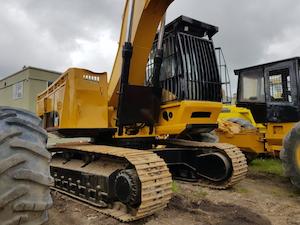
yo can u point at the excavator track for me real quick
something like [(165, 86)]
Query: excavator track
[(235, 155), (153, 173)]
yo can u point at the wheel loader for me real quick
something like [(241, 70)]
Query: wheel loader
[(266, 110), (139, 122)]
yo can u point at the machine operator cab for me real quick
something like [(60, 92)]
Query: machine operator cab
[(189, 68), (188, 72), (270, 91)]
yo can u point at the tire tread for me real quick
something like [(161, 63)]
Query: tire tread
[(290, 144), (24, 169)]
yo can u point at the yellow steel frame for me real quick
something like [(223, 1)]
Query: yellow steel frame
[(248, 141), (267, 138), (181, 112), (232, 111), (274, 135), (79, 97), (251, 141)]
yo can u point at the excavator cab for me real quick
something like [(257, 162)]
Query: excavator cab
[(270, 91), (189, 70)]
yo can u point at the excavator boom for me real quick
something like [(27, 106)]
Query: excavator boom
[(146, 16)]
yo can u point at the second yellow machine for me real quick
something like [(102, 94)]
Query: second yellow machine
[(266, 112), (267, 107), (141, 124)]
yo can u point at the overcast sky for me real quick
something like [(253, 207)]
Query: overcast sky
[(58, 34)]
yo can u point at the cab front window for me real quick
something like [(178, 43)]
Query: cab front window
[(252, 86)]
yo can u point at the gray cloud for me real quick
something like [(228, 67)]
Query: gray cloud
[(47, 33), (61, 33)]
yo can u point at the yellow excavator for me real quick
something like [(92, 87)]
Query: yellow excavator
[(265, 114), (141, 123)]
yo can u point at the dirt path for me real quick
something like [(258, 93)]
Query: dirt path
[(258, 200)]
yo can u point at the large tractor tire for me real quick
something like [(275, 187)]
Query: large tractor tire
[(290, 155), (24, 169)]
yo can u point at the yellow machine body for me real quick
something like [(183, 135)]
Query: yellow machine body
[(232, 111), (249, 140), (138, 140), (264, 138), (274, 136), (79, 99), (182, 115)]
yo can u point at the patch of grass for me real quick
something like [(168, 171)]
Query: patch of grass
[(271, 166), (278, 193), (242, 190), (284, 192), (175, 187), (199, 193)]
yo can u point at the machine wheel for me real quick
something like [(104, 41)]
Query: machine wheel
[(127, 187), (243, 123), (24, 169), (290, 155)]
